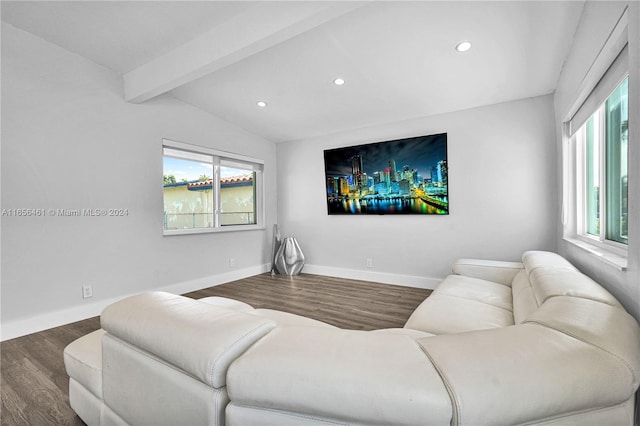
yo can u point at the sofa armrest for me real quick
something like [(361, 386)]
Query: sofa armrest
[(491, 270), (343, 375), (198, 338)]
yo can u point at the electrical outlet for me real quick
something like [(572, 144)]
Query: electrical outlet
[(87, 291), (232, 262), (369, 262)]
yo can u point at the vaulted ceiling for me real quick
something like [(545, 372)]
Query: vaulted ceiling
[(397, 58)]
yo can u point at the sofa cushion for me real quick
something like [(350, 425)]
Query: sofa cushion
[(83, 361), (342, 375), (461, 303), (443, 314), (525, 373), (608, 328)]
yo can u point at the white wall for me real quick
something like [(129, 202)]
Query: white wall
[(69, 141), (502, 187), (597, 23)]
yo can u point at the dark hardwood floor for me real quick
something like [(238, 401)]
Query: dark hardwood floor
[(34, 386)]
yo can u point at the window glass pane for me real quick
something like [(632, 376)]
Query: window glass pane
[(617, 123), (188, 192), (237, 195), (592, 181)]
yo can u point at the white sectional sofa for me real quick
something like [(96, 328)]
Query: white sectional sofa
[(535, 342)]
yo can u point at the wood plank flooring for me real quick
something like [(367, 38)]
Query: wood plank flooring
[(34, 386)]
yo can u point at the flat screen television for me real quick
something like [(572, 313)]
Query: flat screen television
[(399, 177)]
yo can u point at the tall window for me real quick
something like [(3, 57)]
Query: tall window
[(595, 207), (604, 142), (208, 191)]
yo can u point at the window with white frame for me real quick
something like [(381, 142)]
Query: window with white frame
[(205, 190), (598, 133), (603, 189)]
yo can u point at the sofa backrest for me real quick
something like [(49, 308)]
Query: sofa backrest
[(199, 338), (573, 348), (497, 271), (547, 275), (165, 358)]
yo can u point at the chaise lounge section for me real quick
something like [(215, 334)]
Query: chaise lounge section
[(531, 342)]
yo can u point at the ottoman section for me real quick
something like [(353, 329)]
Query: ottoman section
[(83, 363)]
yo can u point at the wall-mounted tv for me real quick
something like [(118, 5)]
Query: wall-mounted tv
[(403, 176)]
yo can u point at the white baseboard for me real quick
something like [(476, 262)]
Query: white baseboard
[(214, 280), (22, 327), (380, 277)]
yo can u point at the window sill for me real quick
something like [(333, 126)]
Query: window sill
[(610, 257), (222, 229)]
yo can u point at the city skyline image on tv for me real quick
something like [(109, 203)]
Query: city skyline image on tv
[(402, 176)]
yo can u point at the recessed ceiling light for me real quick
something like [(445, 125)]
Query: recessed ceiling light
[(261, 104), (463, 46), (338, 81)]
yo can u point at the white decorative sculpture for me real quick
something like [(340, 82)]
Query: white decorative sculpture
[(289, 259)]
